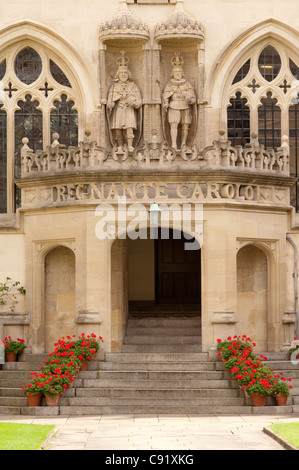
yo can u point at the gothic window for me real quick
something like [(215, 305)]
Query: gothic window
[(58, 75), (37, 98), (269, 123), (28, 65), (64, 120), (265, 83), (269, 63), (3, 163), (242, 72), (238, 121)]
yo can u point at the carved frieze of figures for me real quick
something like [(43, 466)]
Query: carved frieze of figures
[(179, 112), (124, 108)]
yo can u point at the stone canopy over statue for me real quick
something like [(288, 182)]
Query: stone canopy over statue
[(124, 99), (179, 107)]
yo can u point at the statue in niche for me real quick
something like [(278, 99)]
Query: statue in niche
[(179, 106), (124, 101)]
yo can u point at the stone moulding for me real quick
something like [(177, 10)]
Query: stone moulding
[(124, 25), (179, 23), (88, 156)]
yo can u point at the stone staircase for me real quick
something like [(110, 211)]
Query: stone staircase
[(161, 370)]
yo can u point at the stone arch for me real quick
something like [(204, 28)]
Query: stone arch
[(238, 51), (254, 293), (59, 294), (129, 283), (29, 32)]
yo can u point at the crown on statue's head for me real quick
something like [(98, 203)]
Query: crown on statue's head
[(123, 60), (177, 59)]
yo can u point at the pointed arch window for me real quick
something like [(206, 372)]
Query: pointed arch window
[(29, 123), (38, 97), (238, 121), (64, 120), (3, 161), (269, 123), (269, 63), (266, 80)]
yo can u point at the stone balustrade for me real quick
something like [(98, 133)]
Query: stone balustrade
[(154, 155)]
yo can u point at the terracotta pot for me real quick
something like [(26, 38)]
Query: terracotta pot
[(33, 399), (258, 400), (52, 400), (83, 365), (10, 357), (281, 400)]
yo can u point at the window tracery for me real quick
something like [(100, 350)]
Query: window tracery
[(37, 99), (267, 80)]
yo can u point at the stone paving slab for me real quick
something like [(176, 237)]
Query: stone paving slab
[(158, 432)]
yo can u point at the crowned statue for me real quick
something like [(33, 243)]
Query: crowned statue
[(124, 99), (178, 100)]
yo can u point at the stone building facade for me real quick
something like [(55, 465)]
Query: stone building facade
[(111, 109)]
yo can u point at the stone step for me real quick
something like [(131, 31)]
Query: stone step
[(162, 348), (144, 393), (163, 340), (11, 392), (152, 384), (116, 410), (165, 331), (202, 410), (13, 401), (157, 366), (166, 322), (166, 402), (158, 375), (157, 357)]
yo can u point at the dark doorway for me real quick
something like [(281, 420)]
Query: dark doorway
[(178, 269)]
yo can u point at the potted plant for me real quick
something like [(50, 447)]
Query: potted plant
[(13, 348), (281, 391), (259, 389), (33, 393)]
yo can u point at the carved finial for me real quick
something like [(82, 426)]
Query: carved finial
[(222, 134), (55, 137), (177, 59), (25, 141)]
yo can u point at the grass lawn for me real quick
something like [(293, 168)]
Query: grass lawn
[(288, 431), (14, 436)]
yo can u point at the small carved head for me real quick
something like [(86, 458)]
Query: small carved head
[(177, 72), (123, 73)]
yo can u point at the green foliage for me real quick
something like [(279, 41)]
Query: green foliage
[(8, 291)]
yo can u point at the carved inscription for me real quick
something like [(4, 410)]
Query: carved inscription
[(143, 191)]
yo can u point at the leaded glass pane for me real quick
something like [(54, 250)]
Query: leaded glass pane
[(3, 162), (294, 151), (238, 121), (269, 123), (59, 75), (242, 72), (64, 120), (294, 69), (269, 63), (2, 69), (28, 123), (28, 65)]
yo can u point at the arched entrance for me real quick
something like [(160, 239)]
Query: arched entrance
[(154, 277), (164, 271), (60, 298)]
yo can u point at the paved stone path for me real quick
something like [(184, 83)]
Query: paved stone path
[(159, 432)]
